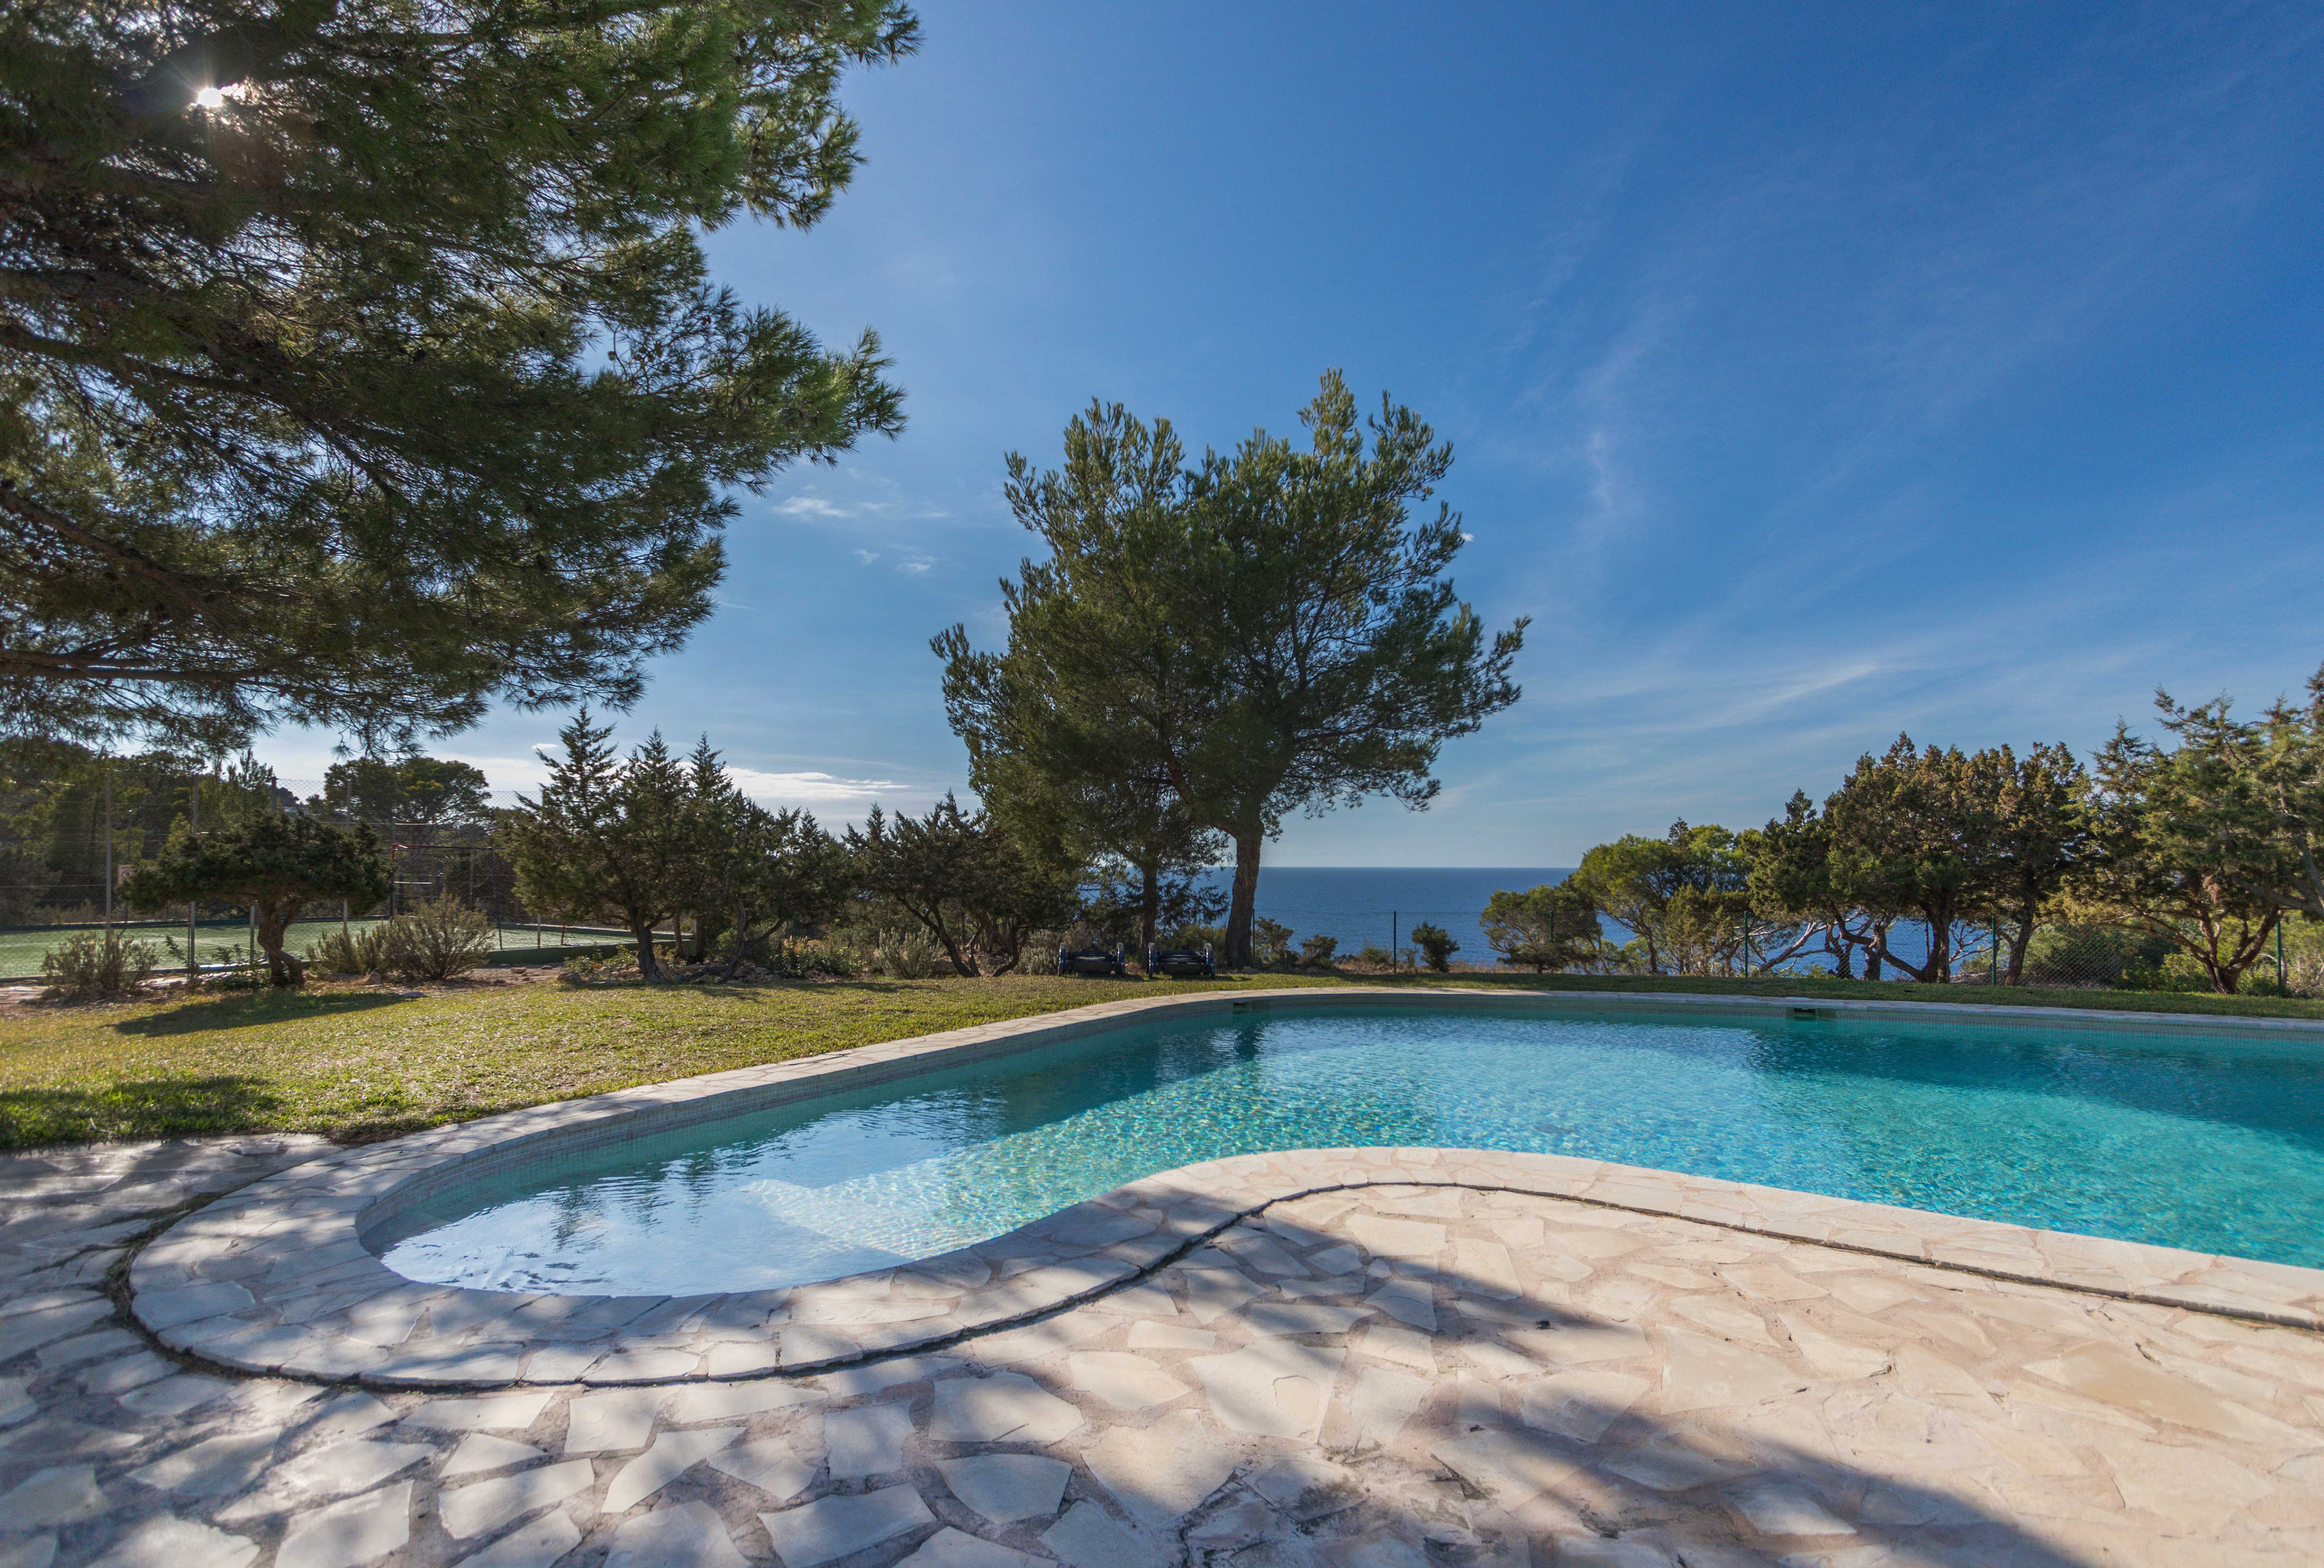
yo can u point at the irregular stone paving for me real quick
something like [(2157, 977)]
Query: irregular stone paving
[(1388, 1376)]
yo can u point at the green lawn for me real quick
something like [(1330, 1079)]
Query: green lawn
[(357, 1062)]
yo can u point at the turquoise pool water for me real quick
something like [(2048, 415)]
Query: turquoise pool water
[(2216, 1145)]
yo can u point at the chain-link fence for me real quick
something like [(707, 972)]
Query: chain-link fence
[(54, 877), (2277, 958), (57, 865), (225, 943)]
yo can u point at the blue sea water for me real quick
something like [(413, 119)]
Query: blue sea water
[(2215, 1144), (1361, 905)]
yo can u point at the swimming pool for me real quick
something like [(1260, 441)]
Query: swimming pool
[(2212, 1144)]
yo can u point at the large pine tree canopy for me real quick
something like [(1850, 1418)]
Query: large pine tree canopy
[(358, 360)]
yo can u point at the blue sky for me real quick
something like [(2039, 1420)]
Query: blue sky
[(1812, 374)]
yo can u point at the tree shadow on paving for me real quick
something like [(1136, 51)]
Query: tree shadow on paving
[(1564, 1455), (243, 1009), (137, 1109)]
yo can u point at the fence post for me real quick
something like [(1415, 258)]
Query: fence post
[(1997, 951), (2283, 988), (1395, 942), (108, 852), (193, 830)]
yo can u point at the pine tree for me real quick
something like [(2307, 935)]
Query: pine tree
[(607, 838), (272, 861), (359, 361), (1273, 631)]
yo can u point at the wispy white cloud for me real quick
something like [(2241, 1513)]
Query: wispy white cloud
[(814, 788), (814, 506), (856, 497), (867, 557)]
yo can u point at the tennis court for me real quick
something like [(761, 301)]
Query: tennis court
[(21, 948)]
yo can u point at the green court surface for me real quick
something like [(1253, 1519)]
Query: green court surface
[(21, 948)]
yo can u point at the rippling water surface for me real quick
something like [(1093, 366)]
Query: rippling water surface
[(2213, 1145)]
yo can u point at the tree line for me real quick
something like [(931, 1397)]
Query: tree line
[(2197, 845)]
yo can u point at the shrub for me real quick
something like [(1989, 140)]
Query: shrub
[(345, 952), (803, 960), (1372, 955), (581, 969), (1270, 944), (2107, 956), (2178, 971), (435, 941), (1318, 951), (908, 956), (1195, 938), (89, 964), (1436, 945)]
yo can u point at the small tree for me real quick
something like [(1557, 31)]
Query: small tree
[(1135, 905), (1436, 945), (2157, 864), (2038, 832), (1696, 871), (1067, 727), (1913, 834), (758, 870), (1793, 894), (963, 880), (1550, 928), (273, 862), (2249, 797), (607, 837)]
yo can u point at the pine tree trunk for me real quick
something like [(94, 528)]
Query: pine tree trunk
[(1938, 967), (643, 936), (2018, 942), (1244, 902)]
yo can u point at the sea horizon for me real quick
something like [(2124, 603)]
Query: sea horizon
[(1377, 905)]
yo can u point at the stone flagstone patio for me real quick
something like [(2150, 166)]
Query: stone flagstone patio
[(1387, 1376)]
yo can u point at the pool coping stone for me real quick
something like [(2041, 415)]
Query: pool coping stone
[(277, 1278)]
